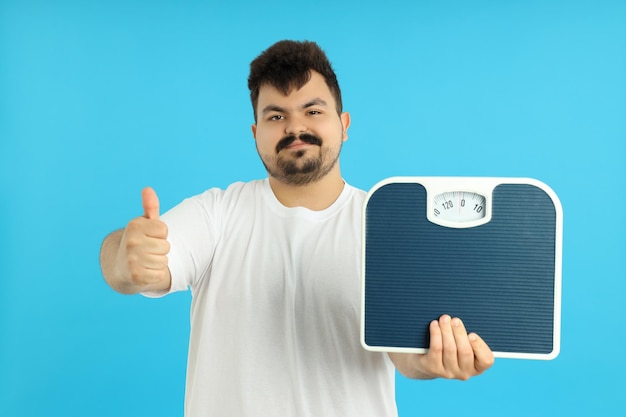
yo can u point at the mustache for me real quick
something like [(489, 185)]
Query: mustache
[(304, 137)]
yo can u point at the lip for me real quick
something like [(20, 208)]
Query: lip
[(298, 144)]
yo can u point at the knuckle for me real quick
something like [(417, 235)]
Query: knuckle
[(489, 361), (449, 375), (464, 376), (133, 225), (158, 229), (132, 259), (136, 275), (136, 271), (132, 241)]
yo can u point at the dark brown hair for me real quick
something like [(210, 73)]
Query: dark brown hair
[(288, 64)]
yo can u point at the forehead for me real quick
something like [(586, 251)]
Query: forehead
[(315, 87)]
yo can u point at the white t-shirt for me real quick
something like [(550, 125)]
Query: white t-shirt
[(276, 307)]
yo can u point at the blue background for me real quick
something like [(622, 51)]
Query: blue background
[(99, 99)]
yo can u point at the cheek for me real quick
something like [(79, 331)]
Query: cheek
[(264, 143)]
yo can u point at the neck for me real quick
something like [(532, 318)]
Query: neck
[(315, 196)]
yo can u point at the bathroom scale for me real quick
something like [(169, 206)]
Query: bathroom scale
[(486, 250)]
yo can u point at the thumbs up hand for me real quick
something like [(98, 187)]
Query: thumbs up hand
[(143, 249)]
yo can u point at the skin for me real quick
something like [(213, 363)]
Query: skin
[(134, 259), (310, 109), (453, 353)]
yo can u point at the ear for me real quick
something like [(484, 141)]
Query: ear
[(254, 130), (345, 122)]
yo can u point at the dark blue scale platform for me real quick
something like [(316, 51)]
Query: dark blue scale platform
[(499, 278)]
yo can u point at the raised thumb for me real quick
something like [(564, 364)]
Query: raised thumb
[(150, 203)]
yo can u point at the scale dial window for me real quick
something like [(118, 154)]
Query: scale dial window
[(459, 206)]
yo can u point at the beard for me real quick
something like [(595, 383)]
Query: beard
[(302, 166)]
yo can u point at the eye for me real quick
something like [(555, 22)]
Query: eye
[(276, 117), (314, 112)]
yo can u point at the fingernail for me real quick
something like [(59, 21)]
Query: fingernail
[(472, 337)]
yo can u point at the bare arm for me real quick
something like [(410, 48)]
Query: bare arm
[(453, 354), (134, 259)]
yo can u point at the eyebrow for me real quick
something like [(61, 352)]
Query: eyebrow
[(313, 102)]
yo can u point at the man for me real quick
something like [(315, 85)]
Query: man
[(274, 267)]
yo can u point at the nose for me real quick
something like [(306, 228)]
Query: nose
[(295, 125)]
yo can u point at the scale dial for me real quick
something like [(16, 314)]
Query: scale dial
[(459, 206)]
